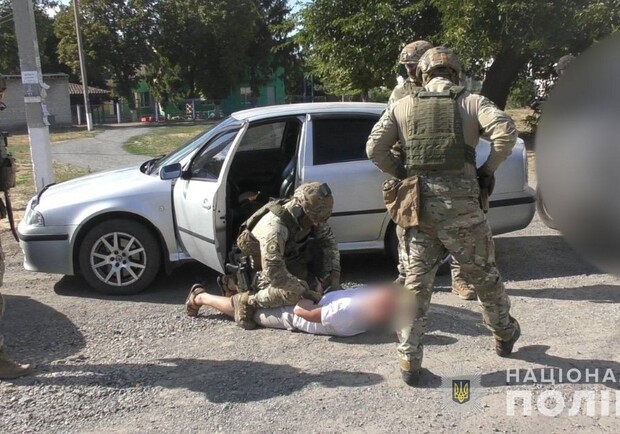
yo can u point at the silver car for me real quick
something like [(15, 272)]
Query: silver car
[(120, 228)]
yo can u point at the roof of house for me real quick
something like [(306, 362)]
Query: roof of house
[(78, 89)]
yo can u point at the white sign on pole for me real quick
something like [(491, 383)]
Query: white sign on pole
[(30, 77)]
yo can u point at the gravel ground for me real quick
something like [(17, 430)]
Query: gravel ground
[(102, 152), (138, 364)]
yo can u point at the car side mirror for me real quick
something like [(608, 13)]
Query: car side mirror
[(172, 171)]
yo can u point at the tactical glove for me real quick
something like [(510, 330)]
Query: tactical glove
[(486, 180)]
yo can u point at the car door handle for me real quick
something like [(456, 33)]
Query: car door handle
[(206, 204)]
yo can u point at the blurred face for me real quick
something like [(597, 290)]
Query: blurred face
[(380, 305)]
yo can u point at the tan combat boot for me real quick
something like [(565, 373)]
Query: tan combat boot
[(10, 369), (463, 290), (244, 312)]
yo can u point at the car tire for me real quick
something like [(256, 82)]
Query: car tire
[(119, 257), (543, 213)]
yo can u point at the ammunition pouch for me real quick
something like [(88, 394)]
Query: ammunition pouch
[(402, 200)]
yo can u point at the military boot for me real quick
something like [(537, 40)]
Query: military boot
[(463, 290), (504, 348), (411, 378), (10, 369), (244, 312)]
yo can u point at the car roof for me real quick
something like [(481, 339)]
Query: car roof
[(308, 108)]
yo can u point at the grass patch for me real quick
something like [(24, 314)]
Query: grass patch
[(164, 139), (19, 146)]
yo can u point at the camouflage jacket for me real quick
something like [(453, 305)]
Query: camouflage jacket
[(278, 243), (480, 117), (402, 90)]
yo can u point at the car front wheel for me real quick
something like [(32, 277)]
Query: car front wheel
[(119, 257)]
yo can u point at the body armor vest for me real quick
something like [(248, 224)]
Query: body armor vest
[(434, 137)]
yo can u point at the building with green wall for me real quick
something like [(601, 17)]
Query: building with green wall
[(270, 92)]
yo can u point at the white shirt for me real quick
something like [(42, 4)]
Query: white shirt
[(340, 315)]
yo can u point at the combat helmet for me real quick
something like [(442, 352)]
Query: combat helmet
[(316, 200), (438, 58), (412, 52)]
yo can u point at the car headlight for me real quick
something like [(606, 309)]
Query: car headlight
[(35, 218)]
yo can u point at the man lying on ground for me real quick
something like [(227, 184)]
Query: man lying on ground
[(347, 312)]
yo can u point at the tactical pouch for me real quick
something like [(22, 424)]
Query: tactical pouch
[(402, 200), (8, 170)]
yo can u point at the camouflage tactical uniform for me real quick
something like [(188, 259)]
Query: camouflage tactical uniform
[(412, 53), (8, 368), (288, 260), (450, 217)]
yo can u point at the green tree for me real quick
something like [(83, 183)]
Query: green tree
[(353, 45), (198, 47), (114, 36), (9, 58), (500, 39)]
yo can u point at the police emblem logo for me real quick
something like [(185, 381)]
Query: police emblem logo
[(460, 391)]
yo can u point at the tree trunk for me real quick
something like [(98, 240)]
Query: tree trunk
[(364, 96), (502, 74)]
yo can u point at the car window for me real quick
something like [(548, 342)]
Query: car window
[(191, 145), (262, 137), (209, 161), (336, 140)]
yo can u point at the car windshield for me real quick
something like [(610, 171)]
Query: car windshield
[(190, 146)]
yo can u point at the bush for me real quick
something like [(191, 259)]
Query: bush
[(522, 94)]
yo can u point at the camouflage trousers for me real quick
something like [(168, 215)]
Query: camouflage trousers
[(307, 266), (1, 298), (450, 221), (403, 260)]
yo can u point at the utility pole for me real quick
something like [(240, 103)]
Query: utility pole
[(34, 92), (78, 32)]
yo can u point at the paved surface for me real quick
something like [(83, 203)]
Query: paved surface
[(102, 152), (139, 364)]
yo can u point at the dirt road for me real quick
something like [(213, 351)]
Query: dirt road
[(138, 364)]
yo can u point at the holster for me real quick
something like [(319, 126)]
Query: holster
[(402, 200), (484, 199)]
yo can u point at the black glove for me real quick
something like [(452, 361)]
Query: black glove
[(486, 180)]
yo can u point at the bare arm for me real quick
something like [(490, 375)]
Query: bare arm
[(309, 311)]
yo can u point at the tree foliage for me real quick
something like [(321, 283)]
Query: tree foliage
[(9, 58), (500, 39), (353, 45), (113, 34)]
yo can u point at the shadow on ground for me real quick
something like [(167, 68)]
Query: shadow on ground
[(539, 257), (538, 354), (171, 289), (37, 333), (237, 381), (594, 293)]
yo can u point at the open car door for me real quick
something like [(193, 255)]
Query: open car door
[(199, 198)]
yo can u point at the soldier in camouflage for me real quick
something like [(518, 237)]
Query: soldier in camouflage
[(440, 128), (297, 253), (409, 57), (8, 368)]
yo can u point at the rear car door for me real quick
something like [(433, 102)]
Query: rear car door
[(200, 199), (335, 153)]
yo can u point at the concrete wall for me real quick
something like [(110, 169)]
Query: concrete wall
[(58, 104)]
